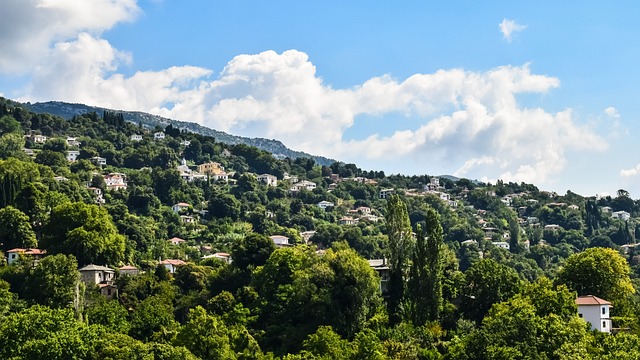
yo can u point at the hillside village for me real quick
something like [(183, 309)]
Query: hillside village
[(162, 239)]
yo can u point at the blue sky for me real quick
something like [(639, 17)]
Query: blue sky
[(541, 92)]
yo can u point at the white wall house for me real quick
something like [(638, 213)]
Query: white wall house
[(268, 179), (622, 215), (280, 240), (158, 136), (72, 155), (595, 311), (136, 137), (325, 204)]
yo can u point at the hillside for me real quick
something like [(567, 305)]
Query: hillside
[(125, 243), (68, 110)]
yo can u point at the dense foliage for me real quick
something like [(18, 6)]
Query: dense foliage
[(457, 270)]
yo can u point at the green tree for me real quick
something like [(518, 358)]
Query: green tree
[(54, 281), (205, 336), (86, 231), (252, 251), (15, 229), (9, 125), (425, 282), (487, 283), (11, 145), (153, 319), (400, 244), (108, 313), (601, 272)]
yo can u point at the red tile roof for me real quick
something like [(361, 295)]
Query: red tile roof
[(591, 300)]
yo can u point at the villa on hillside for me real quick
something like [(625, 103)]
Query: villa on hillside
[(595, 311)]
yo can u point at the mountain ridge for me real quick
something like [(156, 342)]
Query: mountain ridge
[(276, 147)]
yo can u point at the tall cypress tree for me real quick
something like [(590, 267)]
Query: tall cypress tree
[(425, 283), (400, 240)]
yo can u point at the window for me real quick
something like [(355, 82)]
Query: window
[(580, 315), (604, 310), (604, 324)]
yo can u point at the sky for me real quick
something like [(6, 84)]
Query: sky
[(540, 92)]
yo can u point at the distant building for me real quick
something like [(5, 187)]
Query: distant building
[(158, 135), (172, 265), (136, 137), (72, 155), (382, 268), (622, 215), (324, 204), (96, 274), (14, 255), (176, 241), (385, 193), (180, 207), (501, 244), (280, 240), (98, 160), (129, 270), (268, 179)]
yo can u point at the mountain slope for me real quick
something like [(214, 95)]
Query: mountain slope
[(68, 110)]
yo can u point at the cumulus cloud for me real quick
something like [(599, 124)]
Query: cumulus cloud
[(509, 27), (29, 27), (468, 123)]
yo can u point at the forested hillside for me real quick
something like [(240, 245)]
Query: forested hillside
[(125, 242)]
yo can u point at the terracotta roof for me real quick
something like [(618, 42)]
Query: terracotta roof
[(591, 300), (177, 239), (27, 251), (128, 267), (173, 262)]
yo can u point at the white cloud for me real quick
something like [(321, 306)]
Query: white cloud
[(465, 122), (626, 173), (509, 27), (471, 119), (612, 112), (29, 27)]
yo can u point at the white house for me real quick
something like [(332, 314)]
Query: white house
[(115, 181), (385, 193), (98, 160), (185, 142), (176, 241), (324, 204), (171, 265), (72, 141), (501, 244), (187, 219), (268, 179), (304, 184), (347, 220), (180, 207), (595, 311), (72, 155), (136, 137), (307, 235), (622, 215), (158, 135), (280, 240), (13, 255)]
